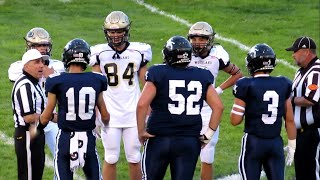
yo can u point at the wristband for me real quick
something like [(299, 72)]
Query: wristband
[(219, 90), (41, 126), (209, 133)]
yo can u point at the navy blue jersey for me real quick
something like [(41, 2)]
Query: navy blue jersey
[(265, 98), (177, 105), (77, 95)]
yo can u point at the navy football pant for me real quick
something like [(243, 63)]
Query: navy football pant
[(62, 159), (180, 152), (257, 152)]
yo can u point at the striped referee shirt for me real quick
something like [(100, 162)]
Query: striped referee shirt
[(306, 84), (27, 98)]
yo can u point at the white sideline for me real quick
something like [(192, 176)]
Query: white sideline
[(48, 163), (185, 22)]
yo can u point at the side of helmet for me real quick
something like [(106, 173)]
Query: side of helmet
[(201, 29), (117, 21), (76, 51), (260, 57), (38, 36), (177, 51)]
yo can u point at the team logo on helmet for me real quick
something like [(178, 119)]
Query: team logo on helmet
[(260, 57), (177, 51), (76, 51)]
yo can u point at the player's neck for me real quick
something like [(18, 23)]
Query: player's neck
[(75, 69)]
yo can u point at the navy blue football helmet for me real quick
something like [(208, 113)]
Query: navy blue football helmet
[(76, 51), (177, 51), (260, 57)]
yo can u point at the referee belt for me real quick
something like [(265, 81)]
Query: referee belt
[(306, 128)]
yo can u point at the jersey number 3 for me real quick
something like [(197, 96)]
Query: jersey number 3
[(184, 104), (273, 107)]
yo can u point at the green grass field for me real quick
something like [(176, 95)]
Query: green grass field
[(277, 23)]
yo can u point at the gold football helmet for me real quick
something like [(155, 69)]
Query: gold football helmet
[(201, 29), (116, 28), (38, 37)]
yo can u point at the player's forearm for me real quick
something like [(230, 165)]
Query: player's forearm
[(46, 116), (216, 117), (141, 116), (105, 117), (230, 81)]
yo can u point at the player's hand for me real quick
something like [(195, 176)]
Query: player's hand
[(144, 136), (206, 137), (47, 71), (33, 131), (97, 131), (290, 149)]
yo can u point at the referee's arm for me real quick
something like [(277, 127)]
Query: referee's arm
[(302, 101), (31, 118)]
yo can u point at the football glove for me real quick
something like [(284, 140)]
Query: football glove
[(290, 149), (206, 137)]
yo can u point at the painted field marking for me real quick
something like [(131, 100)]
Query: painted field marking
[(187, 23), (48, 161)]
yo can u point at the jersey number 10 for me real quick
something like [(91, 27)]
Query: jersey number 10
[(85, 109)]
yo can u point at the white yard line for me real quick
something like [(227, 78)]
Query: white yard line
[(65, 1), (187, 23), (48, 163)]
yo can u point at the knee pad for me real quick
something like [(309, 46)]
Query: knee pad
[(134, 157), (207, 153), (111, 159)]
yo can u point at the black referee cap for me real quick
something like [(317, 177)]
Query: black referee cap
[(303, 42)]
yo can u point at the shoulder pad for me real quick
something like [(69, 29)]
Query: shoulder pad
[(15, 70)]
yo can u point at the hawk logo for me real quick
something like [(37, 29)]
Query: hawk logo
[(235, 89), (146, 76), (170, 44)]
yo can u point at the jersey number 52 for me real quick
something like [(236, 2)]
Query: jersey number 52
[(184, 104)]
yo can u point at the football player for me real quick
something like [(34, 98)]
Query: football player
[(124, 63), (214, 58), (176, 96), (38, 38), (263, 100), (77, 93)]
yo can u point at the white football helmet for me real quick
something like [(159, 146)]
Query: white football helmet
[(201, 29), (38, 36), (117, 21)]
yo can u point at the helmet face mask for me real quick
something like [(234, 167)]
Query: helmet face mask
[(76, 51), (38, 38), (204, 31), (177, 51), (260, 57), (116, 28)]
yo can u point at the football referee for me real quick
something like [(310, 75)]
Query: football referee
[(28, 101), (305, 100)]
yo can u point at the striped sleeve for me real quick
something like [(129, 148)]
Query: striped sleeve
[(312, 92), (25, 98)]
